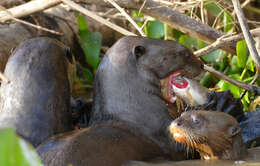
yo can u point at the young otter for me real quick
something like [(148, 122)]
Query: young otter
[(215, 135)]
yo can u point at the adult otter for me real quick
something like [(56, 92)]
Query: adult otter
[(37, 100), (127, 91), (215, 135), (127, 85)]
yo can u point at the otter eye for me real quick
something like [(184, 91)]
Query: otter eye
[(138, 51), (195, 119)]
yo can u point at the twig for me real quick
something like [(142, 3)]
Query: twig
[(252, 82), (97, 18), (32, 25), (27, 9), (221, 42), (243, 85), (127, 17), (3, 78), (248, 37)]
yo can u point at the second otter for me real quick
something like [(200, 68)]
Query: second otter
[(215, 135)]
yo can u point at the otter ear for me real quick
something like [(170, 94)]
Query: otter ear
[(138, 51), (233, 130)]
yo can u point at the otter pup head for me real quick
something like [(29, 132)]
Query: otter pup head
[(215, 135)]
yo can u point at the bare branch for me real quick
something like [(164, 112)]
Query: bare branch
[(243, 85), (127, 17), (27, 9), (97, 18), (248, 37), (221, 42)]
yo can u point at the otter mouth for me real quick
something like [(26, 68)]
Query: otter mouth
[(175, 81)]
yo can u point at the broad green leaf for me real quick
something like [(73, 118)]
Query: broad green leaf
[(90, 43), (188, 41), (177, 34), (137, 14), (242, 53), (208, 79), (224, 86), (88, 75), (15, 151), (234, 67), (155, 29), (212, 7), (212, 57), (82, 24), (250, 64), (228, 22)]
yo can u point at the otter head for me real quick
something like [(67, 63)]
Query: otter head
[(215, 135)]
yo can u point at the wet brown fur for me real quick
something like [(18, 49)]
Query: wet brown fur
[(215, 135)]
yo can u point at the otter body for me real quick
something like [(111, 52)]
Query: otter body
[(109, 144), (215, 135), (36, 102)]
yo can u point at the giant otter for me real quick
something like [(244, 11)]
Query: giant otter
[(37, 100), (127, 85), (126, 91), (215, 135)]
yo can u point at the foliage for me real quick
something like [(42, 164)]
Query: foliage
[(240, 67), (91, 45), (15, 151)]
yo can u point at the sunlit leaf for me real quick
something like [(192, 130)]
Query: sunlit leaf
[(155, 29), (242, 53), (223, 85), (228, 22), (212, 7), (250, 64), (137, 14), (90, 42), (188, 41), (15, 151)]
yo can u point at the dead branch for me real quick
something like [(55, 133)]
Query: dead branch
[(248, 37), (97, 18), (27, 9), (155, 9), (243, 85), (221, 42)]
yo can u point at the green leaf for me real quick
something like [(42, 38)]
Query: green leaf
[(90, 43), (188, 41), (155, 29), (234, 67), (228, 22), (82, 24), (224, 86), (212, 57), (250, 64), (15, 151), (137, 14), (177, 34), (242, 53), (88, 75), (212, 7)]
